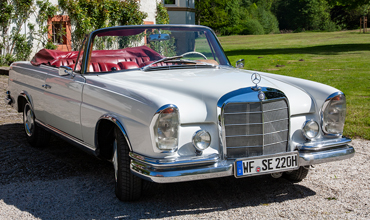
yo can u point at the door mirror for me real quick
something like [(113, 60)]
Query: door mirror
[(240, 64), (65, 71)]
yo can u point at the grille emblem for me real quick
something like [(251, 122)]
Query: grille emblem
[(261, 95), (256, 78)]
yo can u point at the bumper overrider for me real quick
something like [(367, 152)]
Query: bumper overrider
[(211, 166)]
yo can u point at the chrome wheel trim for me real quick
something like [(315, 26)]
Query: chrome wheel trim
[(28, 120), (115, 159)]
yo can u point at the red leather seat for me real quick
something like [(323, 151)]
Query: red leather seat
[(128, 65), (105, 64), (65, 62), (103, 67)]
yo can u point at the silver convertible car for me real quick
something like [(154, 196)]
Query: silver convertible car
[(164, 104)]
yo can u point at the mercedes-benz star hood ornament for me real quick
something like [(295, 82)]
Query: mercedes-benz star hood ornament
[(256, 78)]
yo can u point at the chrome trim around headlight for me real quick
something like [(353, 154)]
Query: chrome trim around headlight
[(195, 144), (326, 102), (304, 133), (152, 124)]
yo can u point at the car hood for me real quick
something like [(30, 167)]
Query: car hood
[(196, 91)]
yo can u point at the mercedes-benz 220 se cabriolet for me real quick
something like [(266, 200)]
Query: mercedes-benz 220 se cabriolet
[(164, 104)]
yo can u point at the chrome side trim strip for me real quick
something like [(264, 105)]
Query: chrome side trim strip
[(175, 162), (71, 139)]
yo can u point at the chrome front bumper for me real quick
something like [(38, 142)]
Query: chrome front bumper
[(197, 168)]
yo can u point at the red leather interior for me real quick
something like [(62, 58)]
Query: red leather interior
[(54, 57), (101, 60), (65, 62), (103, 67), (128, 65)]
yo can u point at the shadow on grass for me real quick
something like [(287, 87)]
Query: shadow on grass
[(334, 49)]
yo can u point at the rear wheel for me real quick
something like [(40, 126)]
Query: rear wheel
[(128, 186), (36, 135), (297, 175)]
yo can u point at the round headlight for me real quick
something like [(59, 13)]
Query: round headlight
[(201, 140), (310, 129)]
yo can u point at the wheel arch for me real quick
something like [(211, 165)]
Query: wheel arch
[(104, 135), (22, 99)]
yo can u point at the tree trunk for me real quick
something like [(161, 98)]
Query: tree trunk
[(363, 23)]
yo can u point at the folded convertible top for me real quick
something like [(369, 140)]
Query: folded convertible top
[(57, 58)]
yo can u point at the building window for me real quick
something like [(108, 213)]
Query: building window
[(169, 2), (60, 32)]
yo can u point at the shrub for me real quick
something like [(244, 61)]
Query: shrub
[(6, 60), (329, 26), (252, 27), (162, 15), (268, 21)]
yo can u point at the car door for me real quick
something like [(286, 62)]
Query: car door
[(63, 102), (31, 79)]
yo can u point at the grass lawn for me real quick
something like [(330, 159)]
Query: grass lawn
[(340, 59)]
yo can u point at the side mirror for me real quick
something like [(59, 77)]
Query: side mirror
[(65, 71), (240, 64)]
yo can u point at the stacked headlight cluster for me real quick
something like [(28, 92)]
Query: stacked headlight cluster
[(333, 113), (166, 128), (166, 131)]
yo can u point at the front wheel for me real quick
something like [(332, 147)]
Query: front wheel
[(297, 175), (36, 135), (128, 186)]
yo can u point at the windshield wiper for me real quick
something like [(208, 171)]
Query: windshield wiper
[(161, 60), (180, 61)]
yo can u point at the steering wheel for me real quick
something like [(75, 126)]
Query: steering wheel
[(194, 52)]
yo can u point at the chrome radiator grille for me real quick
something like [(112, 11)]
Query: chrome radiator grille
[(258, 128)]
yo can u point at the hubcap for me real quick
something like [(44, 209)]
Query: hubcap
[(29, 122), (115, 159)]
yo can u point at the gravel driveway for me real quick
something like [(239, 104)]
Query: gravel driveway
[(61, 182)]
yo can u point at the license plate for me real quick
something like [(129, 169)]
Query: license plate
[(266, 164)]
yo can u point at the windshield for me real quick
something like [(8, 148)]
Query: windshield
[(123, 48)]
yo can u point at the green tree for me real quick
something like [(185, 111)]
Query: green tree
[(89, 15), (347, 13), (162, 15), (237, 16), (304, 14)]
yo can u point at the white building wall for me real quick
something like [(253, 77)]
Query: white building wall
[(25, 30), (149, 7), (182, 12)]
